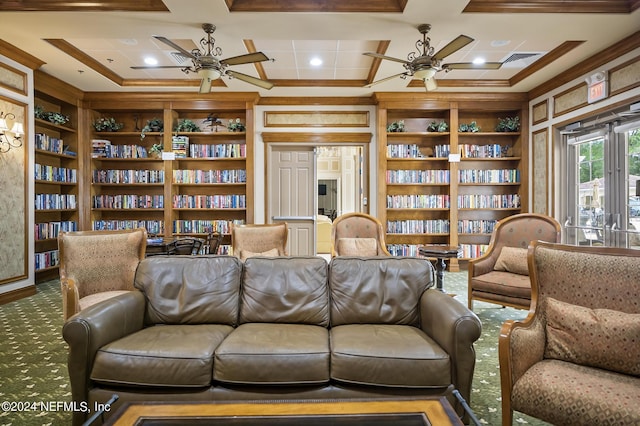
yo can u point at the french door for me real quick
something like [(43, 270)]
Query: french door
[(603, 194)]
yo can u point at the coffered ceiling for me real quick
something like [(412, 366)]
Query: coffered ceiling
[(93, 45)]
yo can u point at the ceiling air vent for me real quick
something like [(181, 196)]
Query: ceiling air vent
[(179, 57), (520, 59)]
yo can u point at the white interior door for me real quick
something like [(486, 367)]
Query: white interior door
[(291, 182)]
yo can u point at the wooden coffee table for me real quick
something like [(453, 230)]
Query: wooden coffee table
[(409, 412)]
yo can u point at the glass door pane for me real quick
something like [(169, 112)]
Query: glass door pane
[(591, 191), (632, 210)]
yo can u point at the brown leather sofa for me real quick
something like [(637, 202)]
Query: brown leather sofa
[(210, 328)]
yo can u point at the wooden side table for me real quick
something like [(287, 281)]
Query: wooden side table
[(440, 253)]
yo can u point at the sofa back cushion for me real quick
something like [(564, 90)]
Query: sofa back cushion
[(377, 290), (190, 289), (285, 290)]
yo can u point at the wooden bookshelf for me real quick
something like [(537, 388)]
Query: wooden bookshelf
[(57, 172), (430, 197)]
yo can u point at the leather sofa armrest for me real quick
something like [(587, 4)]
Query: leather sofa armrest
[(455, 328), (70, 297), (93, 328)]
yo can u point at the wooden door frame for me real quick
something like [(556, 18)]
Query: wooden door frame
[(362, 139)]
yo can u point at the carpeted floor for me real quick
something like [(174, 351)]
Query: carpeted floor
[(33, 358)]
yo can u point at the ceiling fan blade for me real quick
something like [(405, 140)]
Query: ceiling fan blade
[(175, 46), (251, 80), (388, 58), (150, 67), (430, 84), (452, 47), (249, 58), (386, 79), (472, 66)]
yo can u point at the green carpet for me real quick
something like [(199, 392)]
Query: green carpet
[(33, 356)]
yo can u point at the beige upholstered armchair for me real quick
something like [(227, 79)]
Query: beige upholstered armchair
[(268, 240), (357, 234), (501, 275), (97, 265), (575, 359)]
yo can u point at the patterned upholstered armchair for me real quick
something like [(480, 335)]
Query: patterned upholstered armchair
[(575, 359), (357, 234), (259, 240), (97, 265), (501, 275)]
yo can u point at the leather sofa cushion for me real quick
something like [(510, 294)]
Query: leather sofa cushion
[(190, 289), (378, 290), (503, 283), (285, 290), (388, 355), (267, 354), (161, 356)]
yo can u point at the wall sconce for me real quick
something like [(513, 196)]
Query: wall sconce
[(6, 141)]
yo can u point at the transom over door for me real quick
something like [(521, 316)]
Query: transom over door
[(291, 178)]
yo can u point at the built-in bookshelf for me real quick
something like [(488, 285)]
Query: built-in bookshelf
[(56, 177), (127, 178), (194, 184), (447, 176)]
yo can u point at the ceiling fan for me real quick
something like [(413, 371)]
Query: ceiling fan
[(208, 66), (424, 65)]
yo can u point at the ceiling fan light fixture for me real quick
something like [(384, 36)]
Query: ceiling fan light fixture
[(209, 73), (150, 61), (425, 74), (479, 61)]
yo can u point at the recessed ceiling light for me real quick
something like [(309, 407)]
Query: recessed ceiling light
[(150, 61), (479, 61), (315, 62), (500, 43)]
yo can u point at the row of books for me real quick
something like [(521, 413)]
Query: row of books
[(430, 201), (403, 249), (153, 227), (48, 143), (489, 176), (418, 176), (204, 226), (467, 251), (55, 202), (232, 201), (102, 148), (440, 227), (55, 174), (226, 150), (47, 259), (471, 251), (128, 201), (483, 151), (210, 176), (476, 226), (495, 201), (50, 230), (415, 151), (412, 226), (128, 176)]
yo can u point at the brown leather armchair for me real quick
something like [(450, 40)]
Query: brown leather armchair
[(259, 240), (358, 234), (501, 275), (575, 358), (97, 265)]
